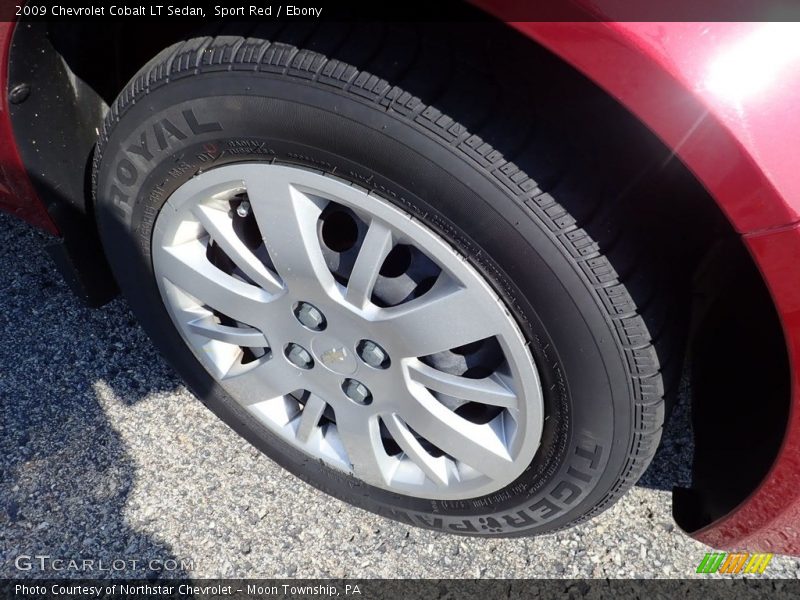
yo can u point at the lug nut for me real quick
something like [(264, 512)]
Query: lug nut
[(356, 391), (372, 354), (309, 316), (243, 209), (298, 356)]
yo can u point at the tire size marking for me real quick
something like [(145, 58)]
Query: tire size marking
[(237, 146)]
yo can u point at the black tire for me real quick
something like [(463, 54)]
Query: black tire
[(214, 100)]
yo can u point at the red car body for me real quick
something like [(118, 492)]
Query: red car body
[(723, 96)]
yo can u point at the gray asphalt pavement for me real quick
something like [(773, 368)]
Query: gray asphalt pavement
[(105, 455)]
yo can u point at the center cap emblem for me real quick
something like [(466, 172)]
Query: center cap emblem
[(334, 355)]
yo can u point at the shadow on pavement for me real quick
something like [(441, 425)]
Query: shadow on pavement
[(65, 475)]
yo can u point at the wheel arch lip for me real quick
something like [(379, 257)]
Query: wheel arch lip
[(660, 72)]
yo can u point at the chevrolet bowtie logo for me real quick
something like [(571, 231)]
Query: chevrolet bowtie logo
[(333, 356)]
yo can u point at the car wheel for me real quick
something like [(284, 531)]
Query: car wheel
[(372, 295)]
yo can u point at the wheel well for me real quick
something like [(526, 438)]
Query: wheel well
[(740, 385), (80, 69)]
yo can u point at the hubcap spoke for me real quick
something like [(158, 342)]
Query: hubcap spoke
[(444, 318), (309, 418), (435, 468), (186, 267), (287, 218), (271, 379), (360, 435), (489, 390), (248, 338), (479, 446), (220, 227), (376, 246)]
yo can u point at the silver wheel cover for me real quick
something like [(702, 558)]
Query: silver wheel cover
[(410, 427)]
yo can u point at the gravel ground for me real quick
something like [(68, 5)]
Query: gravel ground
[(105, 455)]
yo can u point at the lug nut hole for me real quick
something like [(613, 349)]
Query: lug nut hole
[(357, 391), (373, 355), (298, 356), (309, 316)]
